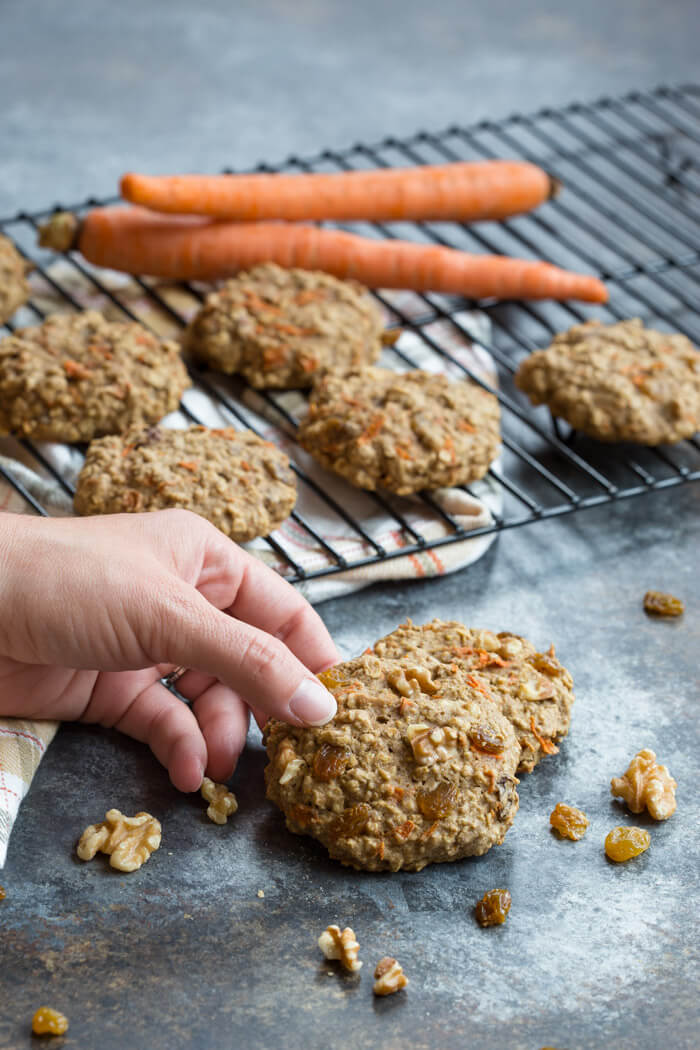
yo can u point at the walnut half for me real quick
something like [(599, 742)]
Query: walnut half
[(222, 802), (646, 786), (342, 945), (129, 840), (388, 977)]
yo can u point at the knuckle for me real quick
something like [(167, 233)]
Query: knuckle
[(262, 656)]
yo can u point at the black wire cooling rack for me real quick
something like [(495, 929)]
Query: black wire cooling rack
[(629, 212)]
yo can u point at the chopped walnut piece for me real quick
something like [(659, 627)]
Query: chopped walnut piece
[(47, 1021), (341, 945), (622, 844), (130, 841), (659, 604), (222, 802), (571, 823), (646, 786), (289, 762), (432, 744), (409, 680), (388, 977)]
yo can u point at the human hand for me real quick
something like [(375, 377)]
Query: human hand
[(94, 611)]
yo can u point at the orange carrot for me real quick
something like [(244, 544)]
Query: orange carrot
[(466, 192), (189, 248)]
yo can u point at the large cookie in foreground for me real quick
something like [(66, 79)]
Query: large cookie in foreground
[(618, 382), (416, 767), (403, 431), (532, 690), (14, 287), (280, 327), (79, 376), (240, 483)]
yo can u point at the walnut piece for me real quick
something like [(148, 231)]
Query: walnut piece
[(342, 945), (388, 977), (47, 1021), (646, 786), (129, 840), (288, 761), (222, 802), (407, 681), (431, 744)]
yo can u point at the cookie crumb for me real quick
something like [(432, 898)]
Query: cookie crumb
[(261, 893)]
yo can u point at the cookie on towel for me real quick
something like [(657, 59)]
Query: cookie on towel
[(78, 376), (14, 287), (279, 327), (239, 482), (403, 431)]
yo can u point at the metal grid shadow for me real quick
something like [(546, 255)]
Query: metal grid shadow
[(629, 212)]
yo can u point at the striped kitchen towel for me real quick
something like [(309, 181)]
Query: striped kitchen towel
[(22, 747)]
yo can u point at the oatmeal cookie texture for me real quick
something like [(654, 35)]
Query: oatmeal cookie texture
[(618, 382), (402, 776), (402, 431), (279, 327), (14, 287), (79, 376), (239, 482), (533, 690)]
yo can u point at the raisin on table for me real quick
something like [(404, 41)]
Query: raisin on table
[(569, 822), (493, 908), (659, 604), (622, 844)]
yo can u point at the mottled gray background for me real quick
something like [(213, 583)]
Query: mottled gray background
[(183, 953), (91, 87)]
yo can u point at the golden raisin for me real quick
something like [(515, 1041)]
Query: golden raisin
[(47, 1021), (493, 908), (351, 821), (302, 815), (622, 844), (570, 822), (436, 804), (331, 761), (2, 893), (659, 604), (331, 678), (484, 738)]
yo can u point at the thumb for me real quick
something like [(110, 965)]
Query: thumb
[(193, 633)]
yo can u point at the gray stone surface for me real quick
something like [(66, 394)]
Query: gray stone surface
[(92, 88), (184, 954)]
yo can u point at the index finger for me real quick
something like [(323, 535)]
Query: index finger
[(263, 599)]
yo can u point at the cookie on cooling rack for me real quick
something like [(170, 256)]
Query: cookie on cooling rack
[(403, 431), (239, 482), (416, 767), (279, 327), (79, 376), (532, 690), (618, 382), (14, 287)]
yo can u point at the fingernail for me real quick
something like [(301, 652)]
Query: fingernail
[(312, 703)]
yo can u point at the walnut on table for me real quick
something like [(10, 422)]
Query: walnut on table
[(388, 977), (222, 802), (341, 945), (129, 841), (47, 1021), (646, 785)]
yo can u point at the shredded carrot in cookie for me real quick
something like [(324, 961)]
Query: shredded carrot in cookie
[(189, 465), (547, 746), (466, 427), (491, 774), (404, 705), (74, 370), (380, 849), (373, 429), (487, 659), (403, 831), (479, 686), (402, 452)]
